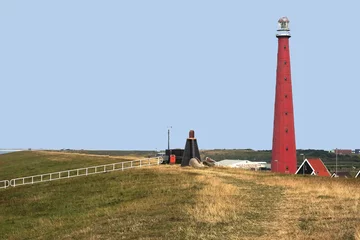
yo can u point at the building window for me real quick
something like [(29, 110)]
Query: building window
[(286, 130), (284, 46), (286, 113), (285, 62), (286, 148), (285, 95), (285, 78)]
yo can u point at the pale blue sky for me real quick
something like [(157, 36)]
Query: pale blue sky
[(114, 74)]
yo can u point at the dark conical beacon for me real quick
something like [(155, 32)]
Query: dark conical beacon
[(191, 149)]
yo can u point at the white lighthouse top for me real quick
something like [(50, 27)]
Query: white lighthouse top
[(283, 29)]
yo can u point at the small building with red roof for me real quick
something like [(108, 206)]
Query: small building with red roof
[(313, 166)]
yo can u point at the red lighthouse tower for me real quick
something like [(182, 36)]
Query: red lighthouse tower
[(283, 148)]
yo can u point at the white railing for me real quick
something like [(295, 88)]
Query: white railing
[(120, 166), (4, 184)]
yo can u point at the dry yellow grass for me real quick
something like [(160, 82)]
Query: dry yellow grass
[(322, 207), (357, 233), (309, 207), (214, 202)]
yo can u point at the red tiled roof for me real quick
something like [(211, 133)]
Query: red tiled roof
[(319, 167)]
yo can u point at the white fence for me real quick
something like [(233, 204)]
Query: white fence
[(120, 166), (4, 184)]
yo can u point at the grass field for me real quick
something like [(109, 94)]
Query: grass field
[(170, 202)]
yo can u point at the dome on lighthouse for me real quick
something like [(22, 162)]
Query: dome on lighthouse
[(283, 24), (284, 20)]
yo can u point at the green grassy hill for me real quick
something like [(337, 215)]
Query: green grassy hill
[(27, 163), (170, 202)]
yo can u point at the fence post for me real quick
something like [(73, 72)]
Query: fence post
[(140, 162), (114, 167), (122, 166), (6, 184)]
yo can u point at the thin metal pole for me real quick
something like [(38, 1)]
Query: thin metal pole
[(336, 152), (169, 139)]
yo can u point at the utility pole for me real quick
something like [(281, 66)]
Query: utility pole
[(169, 137), (169, 127)]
